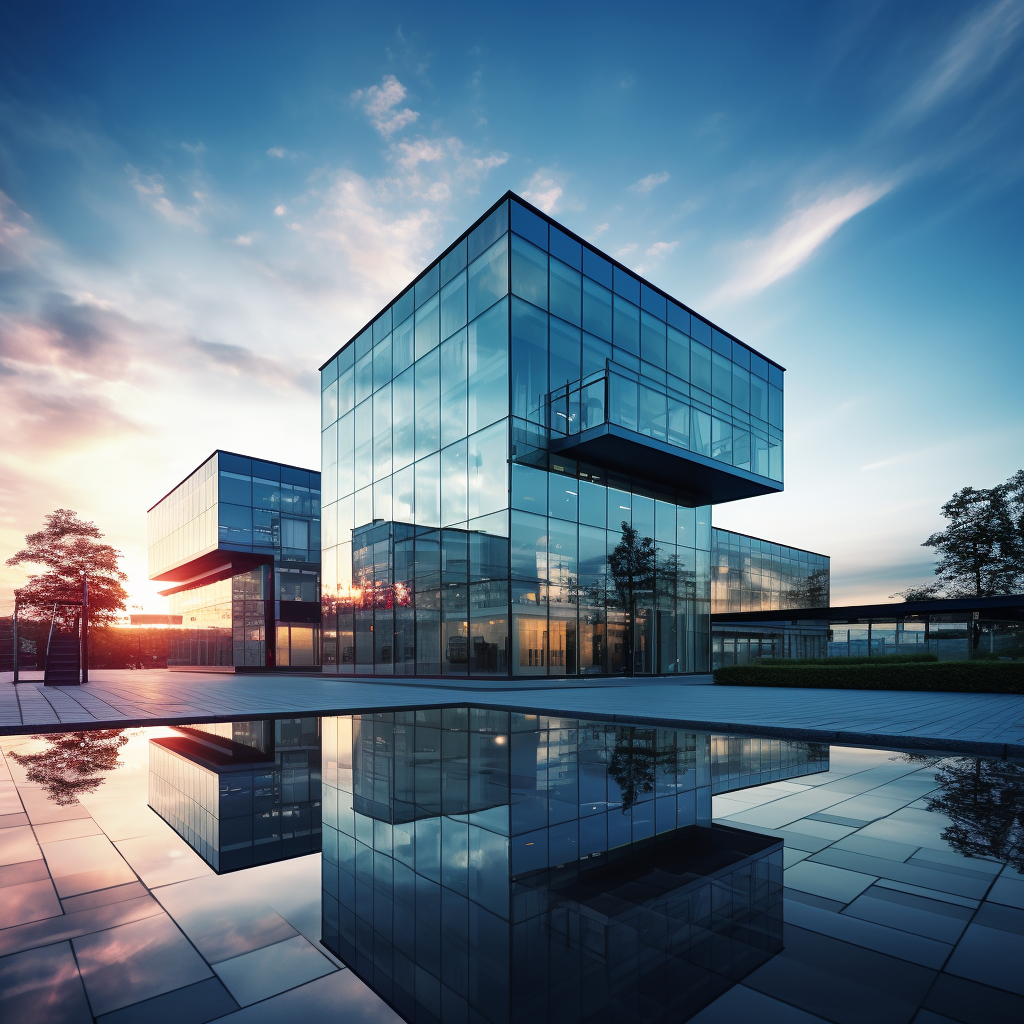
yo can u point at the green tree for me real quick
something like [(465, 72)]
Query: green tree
[(631, 567), (67, 547), (981, 551)]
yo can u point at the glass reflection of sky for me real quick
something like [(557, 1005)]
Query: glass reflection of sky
[(903, 882)]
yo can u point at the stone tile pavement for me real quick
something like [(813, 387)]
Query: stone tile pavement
[(885, 919), (989, 724)]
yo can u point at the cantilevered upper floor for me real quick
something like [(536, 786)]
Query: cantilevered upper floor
[(592, 362), (230, 515)]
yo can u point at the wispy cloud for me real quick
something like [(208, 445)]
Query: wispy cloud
[(763, 261), (379, 103), (151, 190), (976, 49), (543, 190), (650, 182)]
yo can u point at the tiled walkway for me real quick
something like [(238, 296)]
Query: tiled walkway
[(885, 920), (106, 914), (991, 724)]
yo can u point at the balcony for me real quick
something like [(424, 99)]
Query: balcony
[(632, 425)]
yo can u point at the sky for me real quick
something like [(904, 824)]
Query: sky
[(199, 203)]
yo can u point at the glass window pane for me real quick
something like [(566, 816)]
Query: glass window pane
[(592, 499), (774, 406), (597, 309), (403, 351), (758, 397), (329, 404), (488, 232), (529, 361), (428, 497), (488, 469), (363, 444), (382, 433), (652, 413), (382, 363), (721, 377), (427, 327), (428, 411), (364, 377), (529, 489), (453, 306), (563, 496), (700, 366), (740, 387), (488, 278), (627, 325), (678, 361), (453, 262), (622, 401), (529, 272), (700, 432), (652, 339), (678, 423), (346, 392), (565, 346), (454, 369), (566, 294), (529, 546), (488, 367), (404, 419), (721, 440), (453, 484)]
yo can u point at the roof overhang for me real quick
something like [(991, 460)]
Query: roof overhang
[(1007, 607), (210, 568), (708, 481)]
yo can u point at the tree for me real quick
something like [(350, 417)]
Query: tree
[(925, 592), (631, 566), (982, 549), (69, 765), (67, 547)]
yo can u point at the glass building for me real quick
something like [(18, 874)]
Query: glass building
[(241, 793), (238, 540), (753, 575), (496, 866), (520, 455)]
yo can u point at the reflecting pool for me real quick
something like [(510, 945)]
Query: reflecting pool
[(471, 865)]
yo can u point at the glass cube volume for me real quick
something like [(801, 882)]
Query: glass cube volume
[(520, 455)]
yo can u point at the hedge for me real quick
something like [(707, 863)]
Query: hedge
[(877, 659), (954, 676)]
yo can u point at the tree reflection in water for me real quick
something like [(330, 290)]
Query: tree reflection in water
[(635, 760), (72, 763), (984, 801)]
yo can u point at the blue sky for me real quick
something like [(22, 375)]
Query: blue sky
[(200, 202)]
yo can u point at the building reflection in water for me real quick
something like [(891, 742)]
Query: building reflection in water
[(494, 866), (241, 793)]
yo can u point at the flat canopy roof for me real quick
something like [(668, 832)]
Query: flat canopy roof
[(1012, 603)]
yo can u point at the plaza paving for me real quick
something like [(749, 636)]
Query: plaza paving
[(106, 914), (979, 723)]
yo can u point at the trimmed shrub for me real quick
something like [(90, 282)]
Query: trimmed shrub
[(878, 659), (834, 674)]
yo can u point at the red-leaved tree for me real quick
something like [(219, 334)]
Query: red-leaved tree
[(67, 547)]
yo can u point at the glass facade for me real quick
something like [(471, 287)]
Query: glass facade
[(753, 575), (481, 516), (239, 543), (241, 793), (496, 866)]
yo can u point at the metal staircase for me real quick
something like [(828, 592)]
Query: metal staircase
[(64, 645)]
